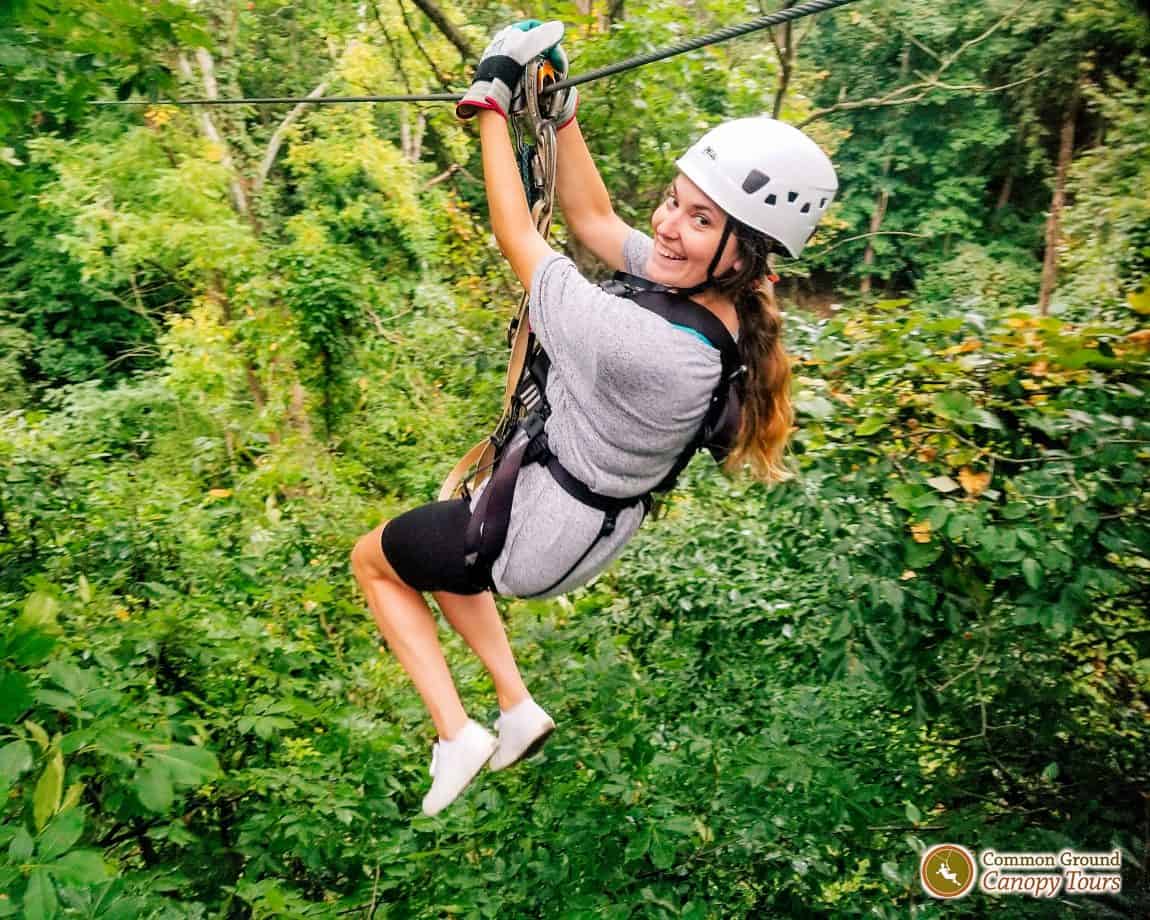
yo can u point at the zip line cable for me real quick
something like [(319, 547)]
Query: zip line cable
[(771, 19)]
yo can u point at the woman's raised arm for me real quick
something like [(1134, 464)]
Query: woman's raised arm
[(511, 221), (583, 197)]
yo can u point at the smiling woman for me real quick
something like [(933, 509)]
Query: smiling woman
[(631, 381)]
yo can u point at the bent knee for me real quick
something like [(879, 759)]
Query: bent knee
[(367, 555)]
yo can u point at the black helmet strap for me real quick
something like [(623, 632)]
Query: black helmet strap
[(728, 227)]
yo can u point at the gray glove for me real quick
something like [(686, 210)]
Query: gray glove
[(500, 68)]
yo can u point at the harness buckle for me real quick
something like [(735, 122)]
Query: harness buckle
[(533, 425)]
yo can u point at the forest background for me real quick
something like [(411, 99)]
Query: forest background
[(233, 339)]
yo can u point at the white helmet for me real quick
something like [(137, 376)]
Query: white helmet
[(765, 174)]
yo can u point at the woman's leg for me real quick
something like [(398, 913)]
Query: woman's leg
[(476, 618), (407, 624)]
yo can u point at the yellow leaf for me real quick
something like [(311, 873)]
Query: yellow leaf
[(1140, 300), (220, 493), (49, 790), (1038, 369), (921, 531), (974, 483), (121, 614), (908, 575)]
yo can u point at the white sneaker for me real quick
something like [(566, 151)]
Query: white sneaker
[(454, 764), (523, 729)]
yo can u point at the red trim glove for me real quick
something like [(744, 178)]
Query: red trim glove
[(500, 68)]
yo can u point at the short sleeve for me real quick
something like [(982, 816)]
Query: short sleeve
[(636, 251)]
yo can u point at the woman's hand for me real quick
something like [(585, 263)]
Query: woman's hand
[(501, 67)]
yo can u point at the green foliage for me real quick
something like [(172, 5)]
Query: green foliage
[(776, 700)]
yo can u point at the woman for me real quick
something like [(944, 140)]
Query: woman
[(627, 389)]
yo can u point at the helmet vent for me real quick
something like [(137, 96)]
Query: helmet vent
[(823, 203), (791, 196), (805, 209), (755, 180), (771, 198)]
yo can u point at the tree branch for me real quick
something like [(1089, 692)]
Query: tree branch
[(452, 34), (927, 83), (427, 57), (896, 96), (277, 137), (208, 126), (396, 57)]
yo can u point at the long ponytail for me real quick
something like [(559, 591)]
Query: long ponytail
[(767, 413)]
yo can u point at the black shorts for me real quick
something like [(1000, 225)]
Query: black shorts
[(425, 546)]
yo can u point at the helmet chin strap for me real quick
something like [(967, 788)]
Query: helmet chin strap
[(711, 279)]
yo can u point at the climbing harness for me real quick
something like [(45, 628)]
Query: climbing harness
[(799, 11), (521, 437)]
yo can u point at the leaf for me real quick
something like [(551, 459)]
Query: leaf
[(84, 589), (638, 845), (80, 867), (942, 483), (15, 697), (1032, 572), (154, 788), (678, 824), (921, 531), (72, 796), (662, 852), (1140, 300), (40, 901), (40, 609), (21, 847), (955, 406), (1050, 772), (814, 406), (188, 765), (30, 644), (15, 758), (61, 834), (49, 790), (974, 483), (842, 627), (870, 426), (913, 815)]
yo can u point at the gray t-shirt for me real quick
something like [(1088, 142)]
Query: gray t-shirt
[(628, 391)]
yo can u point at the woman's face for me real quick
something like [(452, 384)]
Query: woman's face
[(687, 227)]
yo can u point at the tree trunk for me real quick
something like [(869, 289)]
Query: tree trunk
[(785, 45), (1054, 218), (1004, 193), (452, 34), (875, 225)]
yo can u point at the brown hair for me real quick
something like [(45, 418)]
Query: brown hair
[(767, 414)]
